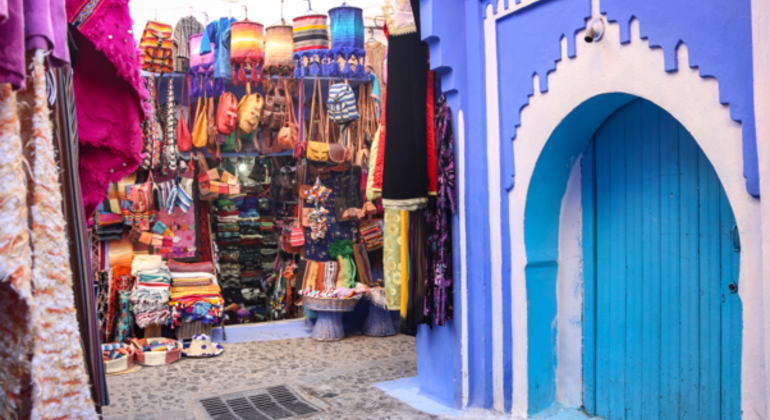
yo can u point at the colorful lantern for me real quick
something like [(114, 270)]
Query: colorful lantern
[(311, 44), (279, 50), (247, 50), (347, 24)]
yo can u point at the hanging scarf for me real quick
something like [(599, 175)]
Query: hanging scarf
[(342, 251), (399, 17)]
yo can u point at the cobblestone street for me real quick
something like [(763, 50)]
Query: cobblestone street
[(336, 377)]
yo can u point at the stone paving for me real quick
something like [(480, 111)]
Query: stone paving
[(337, 377)]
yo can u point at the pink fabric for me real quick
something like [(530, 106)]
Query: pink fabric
[(200, 267), (109, 123)]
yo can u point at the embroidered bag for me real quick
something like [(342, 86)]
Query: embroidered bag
[(183, 136), (156, 46), (227, 113), (342, 104)]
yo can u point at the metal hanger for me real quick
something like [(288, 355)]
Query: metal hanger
[(245, 12), (310, 10), (371, 39)]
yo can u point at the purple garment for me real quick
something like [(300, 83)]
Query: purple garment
[(438, 276), (12, 50), (45, 28), (28, 25)]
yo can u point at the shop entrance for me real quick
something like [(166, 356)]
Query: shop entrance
[(663, 320)]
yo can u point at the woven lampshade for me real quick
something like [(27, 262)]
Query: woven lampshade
[(311, 43), (279, 50), (247, 49), (347, 27)]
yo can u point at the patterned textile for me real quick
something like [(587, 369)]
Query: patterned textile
[(392, 257), (399, 17), (279, 50), (439, 274), (317, 250), (15, 273), (60, 382), (103, 280), (311, 43), (124, 319), (247, 41), (347, 28), (185, 27)]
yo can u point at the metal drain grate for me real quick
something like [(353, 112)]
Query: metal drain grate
[(275, 403)]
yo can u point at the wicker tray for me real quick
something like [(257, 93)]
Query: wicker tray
[(119, 365), (188, 330), (157, 358), (330, 305)]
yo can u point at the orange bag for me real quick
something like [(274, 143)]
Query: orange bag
[(156, 46), (227, 114), (288, 136)]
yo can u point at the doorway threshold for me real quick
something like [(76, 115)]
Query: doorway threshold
[(263, 331)]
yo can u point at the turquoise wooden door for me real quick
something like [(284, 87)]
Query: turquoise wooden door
[(663, 320)]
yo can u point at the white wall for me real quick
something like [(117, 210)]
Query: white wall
[(569, 294)]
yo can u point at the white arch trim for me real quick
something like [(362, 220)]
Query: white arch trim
[(609, 67)]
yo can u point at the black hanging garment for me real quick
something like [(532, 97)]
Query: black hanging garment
[(405, 168)]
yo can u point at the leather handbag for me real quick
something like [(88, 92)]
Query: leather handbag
[(288, 136), (250, 111), (227, 114), (200, 134), (183, 136), (156, 46), (317, 151)]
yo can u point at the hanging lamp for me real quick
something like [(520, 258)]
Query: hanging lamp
[(247, 49), (347, 50), (279, 48), (311, 43)]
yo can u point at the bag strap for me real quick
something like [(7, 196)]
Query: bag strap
[(288, 114), (201, 161)]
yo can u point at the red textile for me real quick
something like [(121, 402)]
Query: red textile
[(429, 106), (377, 184), (199, 267), (204, 243)]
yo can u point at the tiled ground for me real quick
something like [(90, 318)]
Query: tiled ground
[(337, 377)]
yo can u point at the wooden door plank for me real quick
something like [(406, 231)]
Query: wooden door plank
[(690, 316), (618, 277), (603, 252), (669, 279), (731, 317), (651, 255), (634, 234), (589, 276), (709, 380)]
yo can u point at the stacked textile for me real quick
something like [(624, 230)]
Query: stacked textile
[(228, 237), (371, 234), (195, 295), (150, 295)]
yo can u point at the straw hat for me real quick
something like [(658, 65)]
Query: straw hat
[(202, 346)]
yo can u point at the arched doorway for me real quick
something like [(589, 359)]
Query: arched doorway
[(663, 321)]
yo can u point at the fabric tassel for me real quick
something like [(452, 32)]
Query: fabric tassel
[(219, 86), (256, 76), (346, 71), (195, 87), (313, 69), (242, 75), (359, 73), (208, 89), (235, 79)]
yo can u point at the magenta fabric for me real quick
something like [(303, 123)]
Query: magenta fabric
[(3, 10), (12, 49), (109, 123)]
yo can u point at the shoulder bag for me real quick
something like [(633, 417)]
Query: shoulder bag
[(183, 136), (288, 136)]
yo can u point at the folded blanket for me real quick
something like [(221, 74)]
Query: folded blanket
[(147, 263), (199, 267)]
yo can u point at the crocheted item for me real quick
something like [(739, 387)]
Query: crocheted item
[(247, 40), (347, 28), (60, 382), (279, 50), (15, 273), (311, 45)]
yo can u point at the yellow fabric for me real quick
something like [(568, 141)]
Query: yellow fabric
[(318, 151), (404, 262), (180, 292), (200, 134), (250, 111), (392, 258)]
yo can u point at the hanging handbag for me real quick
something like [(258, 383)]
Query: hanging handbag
[(200, 135), (250, 111), (288, 136), (183, 136), (342, 104), (156, 47), (227, 113), (362, 152)]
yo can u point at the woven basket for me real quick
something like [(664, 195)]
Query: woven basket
[(119, 365), (330, 305), (157, 358), (188, 330)]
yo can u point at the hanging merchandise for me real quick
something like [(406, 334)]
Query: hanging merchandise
[(153, 133), (279, 50), (311, 45), (169, 153), (347, 50), (247, 51), (157, 48), (342, 104), (318, 217), (227, 113), (342, 251), (399, 17), (216, 41), (200, 65), (288, 136), (185, 27), (200, 134), (183, 136), (250, 110), (439, 298)]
